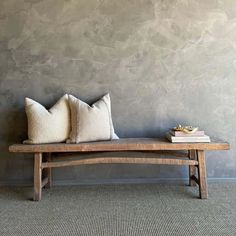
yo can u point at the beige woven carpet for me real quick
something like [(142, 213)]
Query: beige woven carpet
[(139, 209)]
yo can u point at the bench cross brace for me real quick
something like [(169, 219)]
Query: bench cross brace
[(43, 164)]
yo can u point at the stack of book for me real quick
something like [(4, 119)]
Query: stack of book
[(183, 137)]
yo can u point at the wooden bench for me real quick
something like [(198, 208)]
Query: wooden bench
[(47, 156)]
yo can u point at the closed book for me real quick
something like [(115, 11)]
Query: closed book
[(202, 139), (183, 134)]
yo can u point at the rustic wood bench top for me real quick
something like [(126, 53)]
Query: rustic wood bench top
[(45, 158), (124, 144)]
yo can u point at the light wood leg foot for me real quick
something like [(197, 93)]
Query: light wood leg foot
[(37, 176), (48, 172), (202, 176)]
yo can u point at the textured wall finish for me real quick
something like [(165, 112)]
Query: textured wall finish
[(163, 62)]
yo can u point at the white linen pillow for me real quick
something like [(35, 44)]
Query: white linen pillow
[(48, 126), (91, 123)]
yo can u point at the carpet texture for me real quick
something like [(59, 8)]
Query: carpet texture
[(139, 209)]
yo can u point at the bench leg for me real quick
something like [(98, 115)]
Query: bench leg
[(48, 172), (37, 176), (192, 169), (202, 175)]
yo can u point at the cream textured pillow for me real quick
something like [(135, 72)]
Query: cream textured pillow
[(91, 123), (48, 126)]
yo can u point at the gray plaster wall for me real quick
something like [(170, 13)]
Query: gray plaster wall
[(163, 62)]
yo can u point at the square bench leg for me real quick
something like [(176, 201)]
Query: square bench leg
[(48, 172), (37, 176), (202, 175), (192, 169)]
